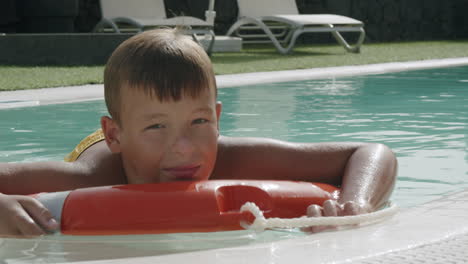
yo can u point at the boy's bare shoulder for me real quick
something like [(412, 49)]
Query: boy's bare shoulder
[(103, 164)]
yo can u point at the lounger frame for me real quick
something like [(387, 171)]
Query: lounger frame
[(119, 16), (282, 30)]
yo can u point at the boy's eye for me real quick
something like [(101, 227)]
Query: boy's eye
[(156, 126), (200, 121)]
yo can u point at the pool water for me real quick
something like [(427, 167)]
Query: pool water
[(421, 115)]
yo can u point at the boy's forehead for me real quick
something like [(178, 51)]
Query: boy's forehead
[(152, 93), (138, 105)]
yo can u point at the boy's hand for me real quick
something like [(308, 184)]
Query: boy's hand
[(334, 208), (24, 216)]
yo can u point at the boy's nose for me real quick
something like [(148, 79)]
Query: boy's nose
[(183, 145)]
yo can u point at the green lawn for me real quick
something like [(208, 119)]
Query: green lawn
[(252, 58)]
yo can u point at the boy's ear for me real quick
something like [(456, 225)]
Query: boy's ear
[(111, 131), (219, 107)]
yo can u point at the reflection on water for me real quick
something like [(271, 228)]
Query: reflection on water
[(57, 248), (421, 115)]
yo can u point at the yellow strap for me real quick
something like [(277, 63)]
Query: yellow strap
[(87, 142)]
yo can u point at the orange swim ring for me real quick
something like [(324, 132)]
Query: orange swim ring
[(179, 207)]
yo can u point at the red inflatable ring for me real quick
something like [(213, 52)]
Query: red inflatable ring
[(179, 207)]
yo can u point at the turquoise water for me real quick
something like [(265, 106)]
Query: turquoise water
[(421, 115)]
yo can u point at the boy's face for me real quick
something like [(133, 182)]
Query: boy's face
[(165, 141)]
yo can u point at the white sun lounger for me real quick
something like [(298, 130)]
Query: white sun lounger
[(279, 22), (127, 16)]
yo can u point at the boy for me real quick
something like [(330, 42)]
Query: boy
[(160, 91)]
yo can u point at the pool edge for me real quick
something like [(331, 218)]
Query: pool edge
[(71, 94)]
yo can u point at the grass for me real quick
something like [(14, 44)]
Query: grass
[(20, 78), (251, 59), (304, 57)]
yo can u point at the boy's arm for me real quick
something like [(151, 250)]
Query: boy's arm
[(23, 215), (365, 172), (50, 176), (96, 166)]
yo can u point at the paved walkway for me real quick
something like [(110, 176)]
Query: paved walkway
[(59, 95)]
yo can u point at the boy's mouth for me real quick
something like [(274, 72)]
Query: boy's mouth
[(183, 172)]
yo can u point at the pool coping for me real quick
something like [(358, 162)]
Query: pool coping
[(434, 232), (70, 94)]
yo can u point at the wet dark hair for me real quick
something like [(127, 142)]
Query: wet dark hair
[(164, 63)]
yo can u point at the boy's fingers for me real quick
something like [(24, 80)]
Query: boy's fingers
[(314, 211), (330, 208), (39, 213), (351, 208), (333, 208), (25, 224)]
